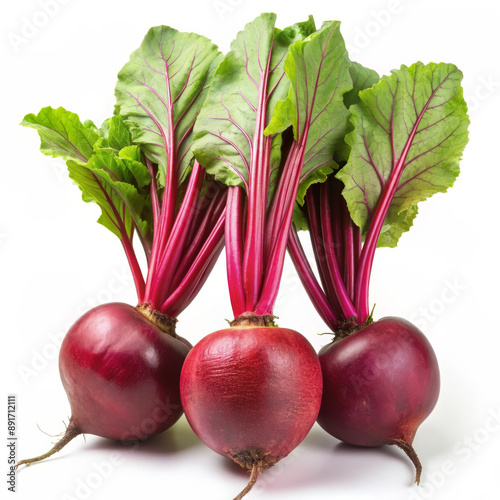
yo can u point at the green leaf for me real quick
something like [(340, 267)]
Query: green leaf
[(116, 132), (108, 180), (186, 147), (62, 134), (299, 218), (410, 129), (105, 166), (297, 31), (246, 86), (362, 78), (160, 92), (391, 233), (318, 68)]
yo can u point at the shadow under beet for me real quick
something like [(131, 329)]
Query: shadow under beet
[(351, 463), (177, 439)]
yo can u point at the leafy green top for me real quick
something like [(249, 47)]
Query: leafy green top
[(160, 92), (411, 127), (106, 167), (246, 86), (318, 69)]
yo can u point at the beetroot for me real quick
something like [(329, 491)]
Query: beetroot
[(268, 128), (121, 375), (380, 384), (252, 393), (120, 365), (405, 142)]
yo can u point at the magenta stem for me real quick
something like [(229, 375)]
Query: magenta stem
[(174, 247), (274, 270), (234, 248), (170, 192), (203, 215), (253, 264), (203, 227), (281, 200), (346, 305), (336, 220), (126, 240), (306, 274), (369, 247), (352, 249), (134, 267), (318, 245), (200, 282), (183, 294)]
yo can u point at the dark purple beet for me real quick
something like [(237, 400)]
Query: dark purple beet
[(121, 374), (380, 384)]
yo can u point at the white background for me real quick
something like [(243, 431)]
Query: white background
[(56, 262)]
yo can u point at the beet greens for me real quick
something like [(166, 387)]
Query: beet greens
[(409, 132), (138, 167), (160, 92), (243, 137)]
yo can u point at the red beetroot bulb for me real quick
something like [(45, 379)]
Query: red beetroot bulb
[(380, 383), (121, 374), (252, 393)]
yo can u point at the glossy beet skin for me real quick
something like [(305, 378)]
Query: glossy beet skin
[(121, 373), (380, 384), (252, 393)]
